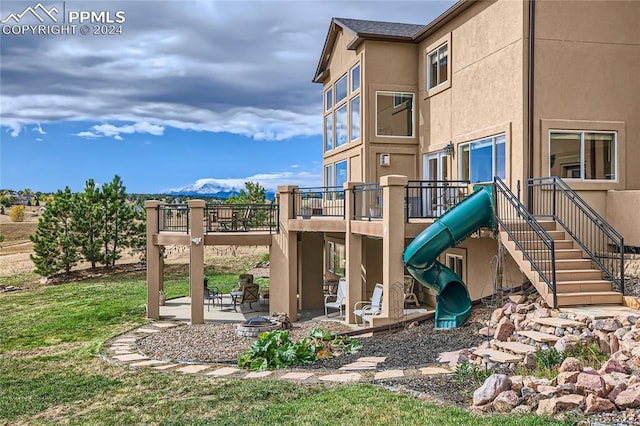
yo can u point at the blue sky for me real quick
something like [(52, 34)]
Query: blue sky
[(190, 92)]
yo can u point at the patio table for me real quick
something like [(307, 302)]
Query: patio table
[(236, 296)]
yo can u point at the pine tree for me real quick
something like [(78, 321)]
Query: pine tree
[(118, 220), (67, 237), (45, 243), (88, 222)]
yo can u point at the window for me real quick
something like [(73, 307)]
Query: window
[(582, 155), (328, 99), (355, 78), (328, 176), (328, 132), (437, 66), (341, 173), (336, 258), (483, 159), (394, 114), (341, 125), (455, 263), (355, 118), (341, 89)]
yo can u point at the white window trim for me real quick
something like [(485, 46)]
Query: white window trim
[(413, 114), (331, 130), (582, 132), (494, 158), (462, 257), (335, 171), (351, 89), (329, 174), (326, 104), (428, 63)]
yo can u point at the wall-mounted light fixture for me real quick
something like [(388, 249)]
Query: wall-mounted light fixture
[(197, 240), (449, 148)]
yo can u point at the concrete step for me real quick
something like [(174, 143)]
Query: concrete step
[(557, 244), (569, 264), (572, 253), (515, 347), (578, 275), (520, 225), (583, 286), (589, 298), (499, 356), (538, 336), (556, 235)]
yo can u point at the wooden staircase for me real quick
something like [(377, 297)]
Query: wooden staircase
[(577, 282)]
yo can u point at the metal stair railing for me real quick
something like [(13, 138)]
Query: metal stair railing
[(552, 197), (525, 231)]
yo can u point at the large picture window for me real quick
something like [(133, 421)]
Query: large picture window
[(341, 125), (437, 66), (583, 155), (328, 132), (355, 118), (483, 159), (394, 114)]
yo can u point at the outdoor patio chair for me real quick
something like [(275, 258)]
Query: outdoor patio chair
[(340, 298), (211, 294), (245, 279), (250, 294), (367, 309), (245, 219), (409, 295)]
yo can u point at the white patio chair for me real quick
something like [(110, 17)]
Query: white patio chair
[(366, 309), (340, 298)]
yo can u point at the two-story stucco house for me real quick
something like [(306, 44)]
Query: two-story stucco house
[(503, 93)]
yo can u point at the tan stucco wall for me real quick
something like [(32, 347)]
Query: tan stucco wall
[(311, 268), (598, 58), (622, 209), (486, 54)]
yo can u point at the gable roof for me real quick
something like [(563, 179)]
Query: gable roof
[(383, 31)]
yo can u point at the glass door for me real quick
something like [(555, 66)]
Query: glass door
[(435, 173)]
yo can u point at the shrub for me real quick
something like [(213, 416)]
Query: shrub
[(17, 213), (275, 350), (466, 370)]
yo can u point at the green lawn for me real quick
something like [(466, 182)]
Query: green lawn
[(50, 372)]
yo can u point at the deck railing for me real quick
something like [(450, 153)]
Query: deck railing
[(173, 218), (367, 201), (431, 199), (241, 218), (553, 198), (319, 201), (221, 218), (525, 231)]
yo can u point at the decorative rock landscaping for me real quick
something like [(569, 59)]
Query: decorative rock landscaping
[(523, 326)]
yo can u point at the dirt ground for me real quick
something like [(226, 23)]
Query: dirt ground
[(16, 248)]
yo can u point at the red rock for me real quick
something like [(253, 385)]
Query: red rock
[(561, 403), (617, 389), (629, 398), (491, 387), (590, 383), (497, 315), (596, 404), (505, 401), (611, 366), (571, 364), (504, 329), (567, 377), (613, 343)]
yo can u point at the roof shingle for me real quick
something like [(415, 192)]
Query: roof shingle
[(359, 26)]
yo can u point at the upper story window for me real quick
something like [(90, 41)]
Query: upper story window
[(483, 159), (394, 114), (328, 132), (355, 78), (437, 66), (328, 99), (355, 117), (341, 125), (584, 155), (341, 89)]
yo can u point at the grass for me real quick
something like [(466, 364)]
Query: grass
[(50, 374)]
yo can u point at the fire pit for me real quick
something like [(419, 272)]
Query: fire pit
[(256, 325)]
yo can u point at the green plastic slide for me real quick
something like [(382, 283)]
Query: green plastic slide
[(453, 303)]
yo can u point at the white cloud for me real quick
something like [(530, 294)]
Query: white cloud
[(109, 130), (38, 129)]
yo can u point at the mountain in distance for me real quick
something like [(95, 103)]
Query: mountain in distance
[(211, 188)]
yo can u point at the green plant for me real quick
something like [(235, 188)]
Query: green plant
[(589, 354), (549, 358), (275, 350), (466, 370)]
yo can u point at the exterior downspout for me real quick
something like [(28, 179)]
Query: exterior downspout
[(530, 95)]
